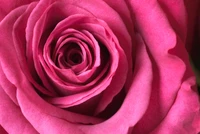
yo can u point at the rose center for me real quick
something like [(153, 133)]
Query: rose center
[(74, 58), (73, 54)]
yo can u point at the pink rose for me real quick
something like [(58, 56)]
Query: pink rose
[(96, 67)]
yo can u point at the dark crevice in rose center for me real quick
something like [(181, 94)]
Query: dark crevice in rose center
[(74, 58), (71, 54), (114, 106)]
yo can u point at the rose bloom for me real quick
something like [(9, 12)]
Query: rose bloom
[(96, 67)]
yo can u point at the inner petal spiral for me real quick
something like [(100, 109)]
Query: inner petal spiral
[(69, 55), (79, 60)]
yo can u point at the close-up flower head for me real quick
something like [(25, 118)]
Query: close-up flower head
[(99, 67)]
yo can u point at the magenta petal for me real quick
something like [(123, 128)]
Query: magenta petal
[(11, 117), (169, 58), (32, 106), (7, 51), (176, 15), (184, 115), (8, 87), (41, 119), (20, 46), (9, 5)]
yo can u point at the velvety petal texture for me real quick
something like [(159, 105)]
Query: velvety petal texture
[(9, 5), (97, 67)]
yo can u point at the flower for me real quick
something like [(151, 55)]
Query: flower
[(71, 66)]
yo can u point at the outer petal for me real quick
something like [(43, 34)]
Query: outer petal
[(9, 5), (184, 115), (11, 119), (170, 60), (176, 14)]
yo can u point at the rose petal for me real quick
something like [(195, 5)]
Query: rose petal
[(11, 117), (183, 116), (20, 45), (169, 56), (175, 15), (7, 52), (9, 5), (8, 87)]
